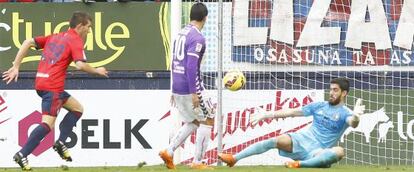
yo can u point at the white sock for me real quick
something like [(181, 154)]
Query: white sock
[(180, 137), (202, 140)]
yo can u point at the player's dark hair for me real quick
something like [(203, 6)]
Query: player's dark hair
[(198, 12), (342, 82), (79, 17)]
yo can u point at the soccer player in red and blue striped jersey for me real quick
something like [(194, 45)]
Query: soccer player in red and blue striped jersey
[(59, 50)]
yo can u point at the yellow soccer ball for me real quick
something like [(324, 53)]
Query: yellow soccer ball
[(234, 80)]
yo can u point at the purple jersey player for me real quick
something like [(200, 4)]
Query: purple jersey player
[(196, 111), (188, 52)]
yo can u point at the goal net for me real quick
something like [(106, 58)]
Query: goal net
[(289, 50)]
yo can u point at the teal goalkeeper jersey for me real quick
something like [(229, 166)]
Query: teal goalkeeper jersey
[(329, 122)]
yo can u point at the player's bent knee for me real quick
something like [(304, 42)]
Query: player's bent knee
[(49, 121), (339, 151), (73, 105), (51, 126), (78, 109), (284, 142)]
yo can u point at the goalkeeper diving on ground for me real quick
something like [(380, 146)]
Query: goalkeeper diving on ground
[(314, 147)]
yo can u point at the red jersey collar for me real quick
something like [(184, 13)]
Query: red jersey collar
[(72, 31)]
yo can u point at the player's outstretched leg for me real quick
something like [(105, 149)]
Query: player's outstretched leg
[(167, 158), (227, 158), (254, 149), (323, 160), (292, 164), (32, 142), (22, 161), (202, 140), (34, 139), (167, 154), (62, 150)]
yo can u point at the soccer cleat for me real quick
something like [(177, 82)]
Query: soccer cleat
[(22, 161), (62, 150), (292, 164), (227, 158), (200, 166), (168, 159)]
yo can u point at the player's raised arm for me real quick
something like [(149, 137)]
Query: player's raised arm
[(359, 109), (261, 114), (89, 69), (13, 72)]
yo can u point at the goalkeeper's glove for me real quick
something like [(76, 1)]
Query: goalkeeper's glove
[(359, 108), (259, 114)]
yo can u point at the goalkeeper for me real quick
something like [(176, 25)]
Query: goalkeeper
[(313, 147)]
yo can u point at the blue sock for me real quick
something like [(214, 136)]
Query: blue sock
[(257, 148), (325, 159), (34, 139), (67, 124)]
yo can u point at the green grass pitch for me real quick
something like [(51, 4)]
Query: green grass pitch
[(335, 168)]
